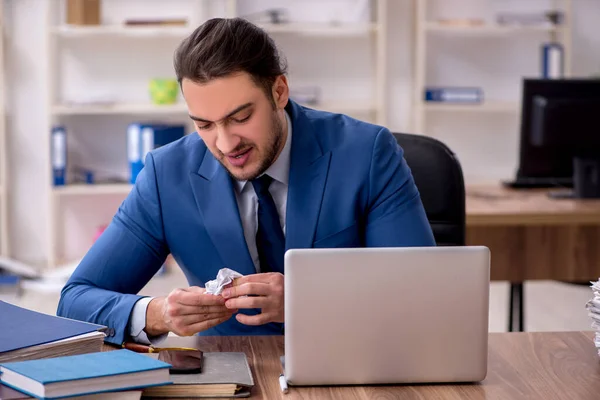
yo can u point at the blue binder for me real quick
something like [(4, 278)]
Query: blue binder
[(58, 148), (134, 139), (552, 61), (143, 138)]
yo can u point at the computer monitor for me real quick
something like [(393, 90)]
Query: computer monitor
[(547, 166), (565, 118)]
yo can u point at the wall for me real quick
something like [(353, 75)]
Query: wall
[(478, 140)]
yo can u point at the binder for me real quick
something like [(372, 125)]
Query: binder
[(552, 61), (134, 132), (454, 94), (143, 138), (58, 147), (155, 136)]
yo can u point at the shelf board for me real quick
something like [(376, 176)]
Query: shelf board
[(151, 109), (120, 108), (320, 29), (300, 28), (358, 107), (73, 31), (81, 189), (488, 107), (489, 29)]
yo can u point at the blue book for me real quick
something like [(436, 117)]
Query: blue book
[(23, 328), (62, 377)]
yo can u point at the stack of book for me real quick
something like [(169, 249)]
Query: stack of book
[(49, 357), (119, 374), (593, 307)]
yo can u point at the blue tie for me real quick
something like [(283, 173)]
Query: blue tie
[(270, 241)]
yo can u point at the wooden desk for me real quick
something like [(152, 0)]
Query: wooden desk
[(520, 366), (534, 237)]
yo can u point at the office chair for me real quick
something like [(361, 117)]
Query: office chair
[(439, 178)]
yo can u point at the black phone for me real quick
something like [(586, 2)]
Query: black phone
[(183, 361)]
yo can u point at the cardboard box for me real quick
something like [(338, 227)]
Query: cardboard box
[(83, 12)]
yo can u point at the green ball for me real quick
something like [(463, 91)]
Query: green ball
[(164, 91)]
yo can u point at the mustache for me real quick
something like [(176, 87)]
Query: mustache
[(239, 148)]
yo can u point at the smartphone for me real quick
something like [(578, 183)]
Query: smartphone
[(182, 361)]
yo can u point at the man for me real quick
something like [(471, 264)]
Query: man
[(262, 175)]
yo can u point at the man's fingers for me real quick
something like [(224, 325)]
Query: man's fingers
[(194, 289), (190, 320), (259, 319), (204, 325), (192, 298), (246, 289), (249, 302), (182, 309), (264, 278)]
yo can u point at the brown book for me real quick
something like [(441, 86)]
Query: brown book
[(224, 374), (7, 393)]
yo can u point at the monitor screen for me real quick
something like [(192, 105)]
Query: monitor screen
[(549, 162)]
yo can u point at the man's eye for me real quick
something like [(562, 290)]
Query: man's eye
[(203, 127), (242, 120)]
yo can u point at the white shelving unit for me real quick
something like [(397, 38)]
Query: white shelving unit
[(425, 27), (4, 238), (374, 109), (92, 190)]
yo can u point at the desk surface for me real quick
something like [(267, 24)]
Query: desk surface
[(495, 205), (521, 365)]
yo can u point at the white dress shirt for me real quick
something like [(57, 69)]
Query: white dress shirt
[(247, 202)]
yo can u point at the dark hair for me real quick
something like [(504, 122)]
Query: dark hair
[(222, 46)]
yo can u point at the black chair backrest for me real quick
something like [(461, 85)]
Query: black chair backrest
[(439, 178)]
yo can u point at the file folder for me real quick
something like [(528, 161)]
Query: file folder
[(143, 138), (58, 148)]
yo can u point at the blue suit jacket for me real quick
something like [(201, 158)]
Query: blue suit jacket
[(349, 186)]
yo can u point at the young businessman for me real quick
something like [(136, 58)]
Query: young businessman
[(262, 175)]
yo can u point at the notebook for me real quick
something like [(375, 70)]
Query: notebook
[(224, 374), (84, 374), (27, 334)]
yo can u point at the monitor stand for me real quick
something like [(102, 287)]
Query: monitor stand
[(586, 180)]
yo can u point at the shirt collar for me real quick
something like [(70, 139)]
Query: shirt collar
[(280, 169)]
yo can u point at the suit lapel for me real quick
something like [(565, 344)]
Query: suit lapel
[(308, 174), (213, 191)]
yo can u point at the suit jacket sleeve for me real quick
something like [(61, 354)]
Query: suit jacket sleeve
[(103, 288), (396, 217)]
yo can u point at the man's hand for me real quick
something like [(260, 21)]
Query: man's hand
[(264, 291), (185, 312)]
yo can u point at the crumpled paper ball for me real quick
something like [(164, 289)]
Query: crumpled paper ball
[(224, 277)]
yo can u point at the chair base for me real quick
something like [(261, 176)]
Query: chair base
[(515, 308)]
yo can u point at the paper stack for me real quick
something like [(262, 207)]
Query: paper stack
[(593, 307)]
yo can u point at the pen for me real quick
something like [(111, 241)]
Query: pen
[(140, 348), (283, 384)]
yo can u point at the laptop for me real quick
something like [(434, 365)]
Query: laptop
[(386, 315)]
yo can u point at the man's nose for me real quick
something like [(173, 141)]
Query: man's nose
[(226, 140)]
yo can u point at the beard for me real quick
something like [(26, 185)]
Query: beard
[(267, 155)]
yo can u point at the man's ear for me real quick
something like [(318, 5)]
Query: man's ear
[(281, 92)]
